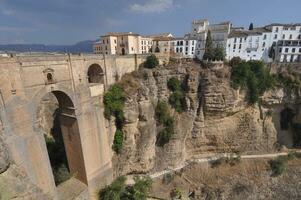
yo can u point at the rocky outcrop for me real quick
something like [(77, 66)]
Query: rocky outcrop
[(217, 119)]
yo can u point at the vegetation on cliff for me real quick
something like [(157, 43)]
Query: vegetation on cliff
[(151, 62), (119, 191), (166, 121), (114, 100), (254, 77), (177, 98)]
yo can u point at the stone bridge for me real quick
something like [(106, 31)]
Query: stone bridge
[(78, 82)]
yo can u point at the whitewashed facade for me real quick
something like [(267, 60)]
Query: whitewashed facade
[(256, 44), (185, 47), (249, 45), (219, 33)]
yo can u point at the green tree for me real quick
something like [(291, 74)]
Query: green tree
[(209, 54), (151, 62), (219, 54), (251, 27), (140, 190), (272, 52)]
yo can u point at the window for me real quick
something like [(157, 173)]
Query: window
[(186, 49), (192, 48), (265, 37), (286, 50), (280, 50), (293, 50), (299, 50), (277, 29), (239, 46), (186, 42), (275, 36), (106, 47), (291, 36), (192, 42), (235, 40), (283, 36), (263, 44), (299, 37), (234, 47), (107, 41), (115, 41)]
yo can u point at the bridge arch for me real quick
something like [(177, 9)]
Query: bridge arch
[(95, 74), (64, 139)]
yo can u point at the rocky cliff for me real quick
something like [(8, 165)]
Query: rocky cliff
[(218, 118)]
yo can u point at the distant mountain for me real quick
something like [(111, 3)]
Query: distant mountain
[(80, 47)]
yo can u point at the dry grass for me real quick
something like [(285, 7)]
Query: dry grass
[(130, 84)]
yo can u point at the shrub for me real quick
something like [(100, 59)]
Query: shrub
[(151, 62), (177, 98), (174, 84), (118, 141), (235, 61), (163, 118), (176, 193), (113, 191), (114, 101), (140, 190), (252, 75), (119, 191), (278, 165)]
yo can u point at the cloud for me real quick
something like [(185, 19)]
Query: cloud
[(152, 6)]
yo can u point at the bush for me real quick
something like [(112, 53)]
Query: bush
[(174, 84), (114, 101), (163, 118), (113, 191), (151, 62), (278, 166), (177, 98), (140, 190), (235, 61), (118, 141), (252, 75), (119, 191)]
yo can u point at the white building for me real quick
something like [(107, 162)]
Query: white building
[(185, 47), (283, 39), (249, 45), (219, 33)]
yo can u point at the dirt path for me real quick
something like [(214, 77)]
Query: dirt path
[(216, 157)]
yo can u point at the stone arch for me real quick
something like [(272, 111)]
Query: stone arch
[(95, 74), (69, 130)]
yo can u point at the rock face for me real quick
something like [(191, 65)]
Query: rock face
[(217, 119), (14, 183), (4, 157)]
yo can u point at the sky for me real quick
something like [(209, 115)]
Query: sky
[(70, 21)]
